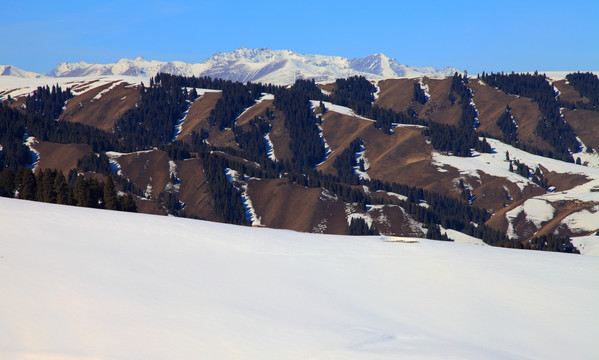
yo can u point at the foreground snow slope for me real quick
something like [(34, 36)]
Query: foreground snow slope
[(89, 284)]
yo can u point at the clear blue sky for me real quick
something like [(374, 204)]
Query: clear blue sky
[(473, 35)]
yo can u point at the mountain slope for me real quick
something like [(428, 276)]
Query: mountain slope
[(82, 283)]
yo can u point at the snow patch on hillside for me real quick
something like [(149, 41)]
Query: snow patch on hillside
[(537, 212), (35, 155), (111, 87), (343, 110), (270, 148), (586, 220), (361, 156), (242, 187), (424, 87)]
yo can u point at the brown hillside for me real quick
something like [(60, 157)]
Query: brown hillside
[(490, 104), (282, 205), (438, 108), (147, 168), (101, 113), (491, 193), (585, 124), (339, 131), (527, 115), (396, 94), (279, 136), (568, 93), (198, 113), (63, 157), (194, 191), (254, 111)]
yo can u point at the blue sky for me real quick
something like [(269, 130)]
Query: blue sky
[(473, 35)]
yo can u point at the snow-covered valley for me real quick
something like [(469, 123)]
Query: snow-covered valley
[(80, 283)]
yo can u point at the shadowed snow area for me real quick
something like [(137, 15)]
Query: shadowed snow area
[(78, 283)]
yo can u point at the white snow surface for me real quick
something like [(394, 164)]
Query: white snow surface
[(343, 110), (587, 245), (84, 284)]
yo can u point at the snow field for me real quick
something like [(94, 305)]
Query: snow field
[(85, 283)]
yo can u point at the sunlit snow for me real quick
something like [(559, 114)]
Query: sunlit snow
[(84, 284)]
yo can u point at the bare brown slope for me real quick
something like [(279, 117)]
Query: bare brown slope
[(197, 119), (438, 108), (396, 94), (194, 190), (279, 136), (585, 124), (147, 168), (198, 113), (339, 131), (527, 115), (490, 103), (282, 205), (62, 157), (101, 113), (253, 111), (568, 93)]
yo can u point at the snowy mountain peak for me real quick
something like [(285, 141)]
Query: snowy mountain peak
[(280, 67), (9, 70)]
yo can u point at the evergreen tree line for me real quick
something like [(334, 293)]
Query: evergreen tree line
[(358, 226), (455, 140), (551, 242), (508, 127), (553, 129), (523, 170), (458, 86), (419, 95), (305, 142), (51, 186), (345, 162), (47, 102), (252, 141), (153, 121), (355, 92), (228, 204), (235, 98), (587, 85)]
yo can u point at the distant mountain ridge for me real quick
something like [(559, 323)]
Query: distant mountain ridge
[(256, 65), (9, 70)]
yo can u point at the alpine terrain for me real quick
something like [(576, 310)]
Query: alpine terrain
[(319, 144)]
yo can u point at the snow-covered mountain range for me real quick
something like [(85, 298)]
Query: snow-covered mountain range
[(256, 65)]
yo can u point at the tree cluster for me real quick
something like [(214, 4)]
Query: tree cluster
[(306, 144), (587, 85), (508, 127), (47, 102), (51, 186), (551, 242), (358, 226), (345, 162)]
